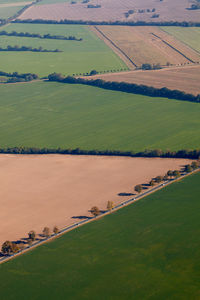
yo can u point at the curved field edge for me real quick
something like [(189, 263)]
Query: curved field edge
[(148, 249), (52, 115)]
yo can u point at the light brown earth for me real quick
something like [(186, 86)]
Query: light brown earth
[(185, 79), (112, 10), (147, 44), (48, 190), (14, 4)]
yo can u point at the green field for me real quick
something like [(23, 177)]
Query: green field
[(148, 250), (188, 35), (6, 12), (77, 57), (69, 116)]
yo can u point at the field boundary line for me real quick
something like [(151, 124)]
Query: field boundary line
[(81, 223), (157, 36), (115, 46), (196, 51)]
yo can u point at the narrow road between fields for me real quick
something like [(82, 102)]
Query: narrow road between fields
[(119, 206)]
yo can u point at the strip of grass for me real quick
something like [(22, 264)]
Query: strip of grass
[(76, 58), (149, 250), (68, 116), (190, 36)]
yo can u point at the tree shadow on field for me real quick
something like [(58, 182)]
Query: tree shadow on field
[(125, 194), (19, 242), (81, 217), (145, 186)]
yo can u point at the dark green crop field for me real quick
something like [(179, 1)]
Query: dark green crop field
[(52, 115), (148, 250), (77, 57)]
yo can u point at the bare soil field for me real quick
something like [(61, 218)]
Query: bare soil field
[(176, 78), (147, 44), (48, 190), (112, 10)]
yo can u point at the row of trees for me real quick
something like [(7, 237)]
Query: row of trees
[(127, 87), (39, 36), (95, 211), (169, 175), (27, 48), (122, 23), (157, 180), (9, 247), (192, 154)]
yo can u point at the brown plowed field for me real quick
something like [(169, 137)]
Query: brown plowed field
[(48, 190), (112, 10), (149, 44), (180, 78)]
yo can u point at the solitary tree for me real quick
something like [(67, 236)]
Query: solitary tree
[(158, 179), (32, 235), (46, 232), (9, 248), (138, 188), (152, 183), (93, 72), (176, 173), (55, 229), (165, 177), (110, 205), (95, 211), (188, 169), (170, 173), (194, 165), (6, 247)]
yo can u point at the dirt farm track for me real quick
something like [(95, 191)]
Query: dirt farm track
[(48, 190)]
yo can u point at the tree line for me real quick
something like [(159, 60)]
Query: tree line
[(128, 88), (122, 23), (191, 154), (9, 248), (170, 175), (15, 77), (27, 48), (39, 36)]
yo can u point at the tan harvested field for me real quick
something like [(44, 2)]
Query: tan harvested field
[(48, 190), (147, 44), (185, 79), (112, 10)]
